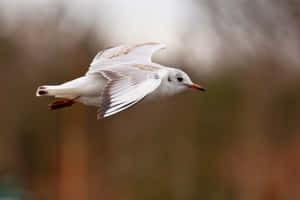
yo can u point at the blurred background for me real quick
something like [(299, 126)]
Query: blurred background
[(238, 141)]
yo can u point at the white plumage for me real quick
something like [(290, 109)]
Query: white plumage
[(118, 78)]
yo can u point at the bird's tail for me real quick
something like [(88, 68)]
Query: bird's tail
[(57, 91), (68, 94)]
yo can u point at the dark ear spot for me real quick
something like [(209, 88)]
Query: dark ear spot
[(169, 79)]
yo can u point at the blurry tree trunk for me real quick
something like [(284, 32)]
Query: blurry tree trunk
[(73, 157), (74, 139)]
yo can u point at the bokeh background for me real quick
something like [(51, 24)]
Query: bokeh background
[(238, 141)]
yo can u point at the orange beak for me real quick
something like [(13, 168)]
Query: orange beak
[(196, 86)]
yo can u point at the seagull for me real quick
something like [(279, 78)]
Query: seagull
[(118, 78)]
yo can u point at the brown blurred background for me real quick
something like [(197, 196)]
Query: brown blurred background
[(238, 141)]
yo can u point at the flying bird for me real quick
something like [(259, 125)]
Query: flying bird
[(118, 78)]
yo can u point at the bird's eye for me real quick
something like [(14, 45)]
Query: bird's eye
[(180, 79)]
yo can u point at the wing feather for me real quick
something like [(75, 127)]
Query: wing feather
[(135, 54), (125, 87)]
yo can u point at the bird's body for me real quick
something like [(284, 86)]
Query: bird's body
[(118, 78)]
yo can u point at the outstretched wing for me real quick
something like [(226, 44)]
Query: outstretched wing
[(136, 54), (127, 85)]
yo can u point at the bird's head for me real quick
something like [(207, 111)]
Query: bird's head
[(177, 81)]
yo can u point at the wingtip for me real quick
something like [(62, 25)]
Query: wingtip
[(161, 45), (99, 114)]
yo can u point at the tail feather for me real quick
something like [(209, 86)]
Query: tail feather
[(57, 91), (68, 94), (41, 91)]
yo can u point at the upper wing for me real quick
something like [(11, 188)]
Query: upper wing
[(127, 84), (138, 54)]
